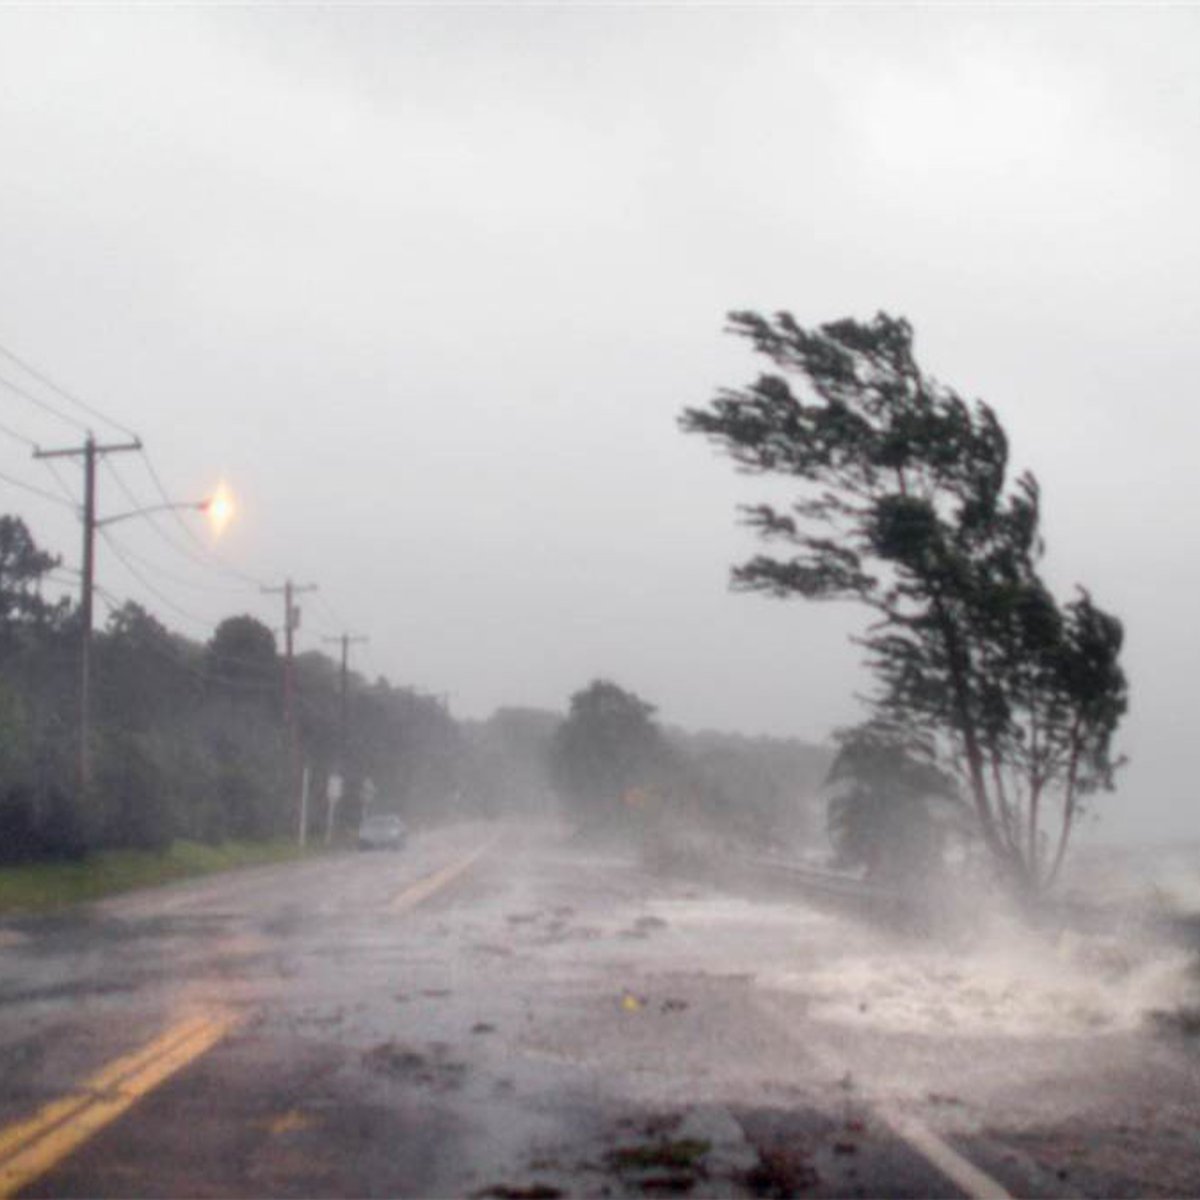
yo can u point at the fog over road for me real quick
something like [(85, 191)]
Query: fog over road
[(498, 1012)]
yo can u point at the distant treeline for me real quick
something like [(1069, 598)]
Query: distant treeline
[(189, 741), (188, 738), (614, 771)]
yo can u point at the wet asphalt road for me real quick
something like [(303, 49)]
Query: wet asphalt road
[(547, 1022)]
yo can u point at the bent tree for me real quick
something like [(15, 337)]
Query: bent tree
[(907, 508)]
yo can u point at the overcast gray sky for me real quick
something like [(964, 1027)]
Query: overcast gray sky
[(429, 285)]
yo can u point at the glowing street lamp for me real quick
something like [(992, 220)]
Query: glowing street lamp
[(220, 508)]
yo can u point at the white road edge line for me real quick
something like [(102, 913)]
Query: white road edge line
[(961, 1172)]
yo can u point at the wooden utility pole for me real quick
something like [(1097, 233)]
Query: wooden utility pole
[(291, 622), (346, 640), (89, 451)]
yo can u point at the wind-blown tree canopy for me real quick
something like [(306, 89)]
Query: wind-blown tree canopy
[(909, 510)]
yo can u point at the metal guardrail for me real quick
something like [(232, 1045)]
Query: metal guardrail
[(814, 879), (884, 905), (897, 906)]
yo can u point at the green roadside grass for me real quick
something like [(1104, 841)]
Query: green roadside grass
[(40, 887)]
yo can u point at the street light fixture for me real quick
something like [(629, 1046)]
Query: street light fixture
[(198, 505), (89, 452), (88, 585)]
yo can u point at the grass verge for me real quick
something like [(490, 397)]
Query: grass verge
[(39, 887)]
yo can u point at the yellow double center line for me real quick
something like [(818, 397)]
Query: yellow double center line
[(420, 891), (32, 1147)]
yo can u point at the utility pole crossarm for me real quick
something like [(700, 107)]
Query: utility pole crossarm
[(289, 586), (346, 639), (89, 447)]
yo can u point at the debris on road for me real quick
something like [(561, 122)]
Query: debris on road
[(781, 1171), (502, 1191), (401, 1062), (290, 1122), (672, 1155)]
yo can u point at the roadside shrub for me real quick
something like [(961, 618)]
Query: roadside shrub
[(133, 794)]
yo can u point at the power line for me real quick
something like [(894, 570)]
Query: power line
[(215, 559), (133, 499), (19, 437), (188, 531), (63, 486), (92, 410), (152, 518), (123, 555), (116, 548), (62, 391), (45, 405), (179, 580), (115, 604), (169, 653), (152, 521), (331, 612), (88, 452), (37, 491)]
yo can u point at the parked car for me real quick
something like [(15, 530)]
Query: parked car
[(382, 832)]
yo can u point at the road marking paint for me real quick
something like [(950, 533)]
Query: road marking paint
[(99, 1084), (290, 1122), (976, 1184), (32, 1147), (959, 1170), (408, 898)]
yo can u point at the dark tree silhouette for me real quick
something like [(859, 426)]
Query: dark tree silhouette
[(22, 568), (189, 739), (242, 656), (608, 745), (909, 510), (891, 810)]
